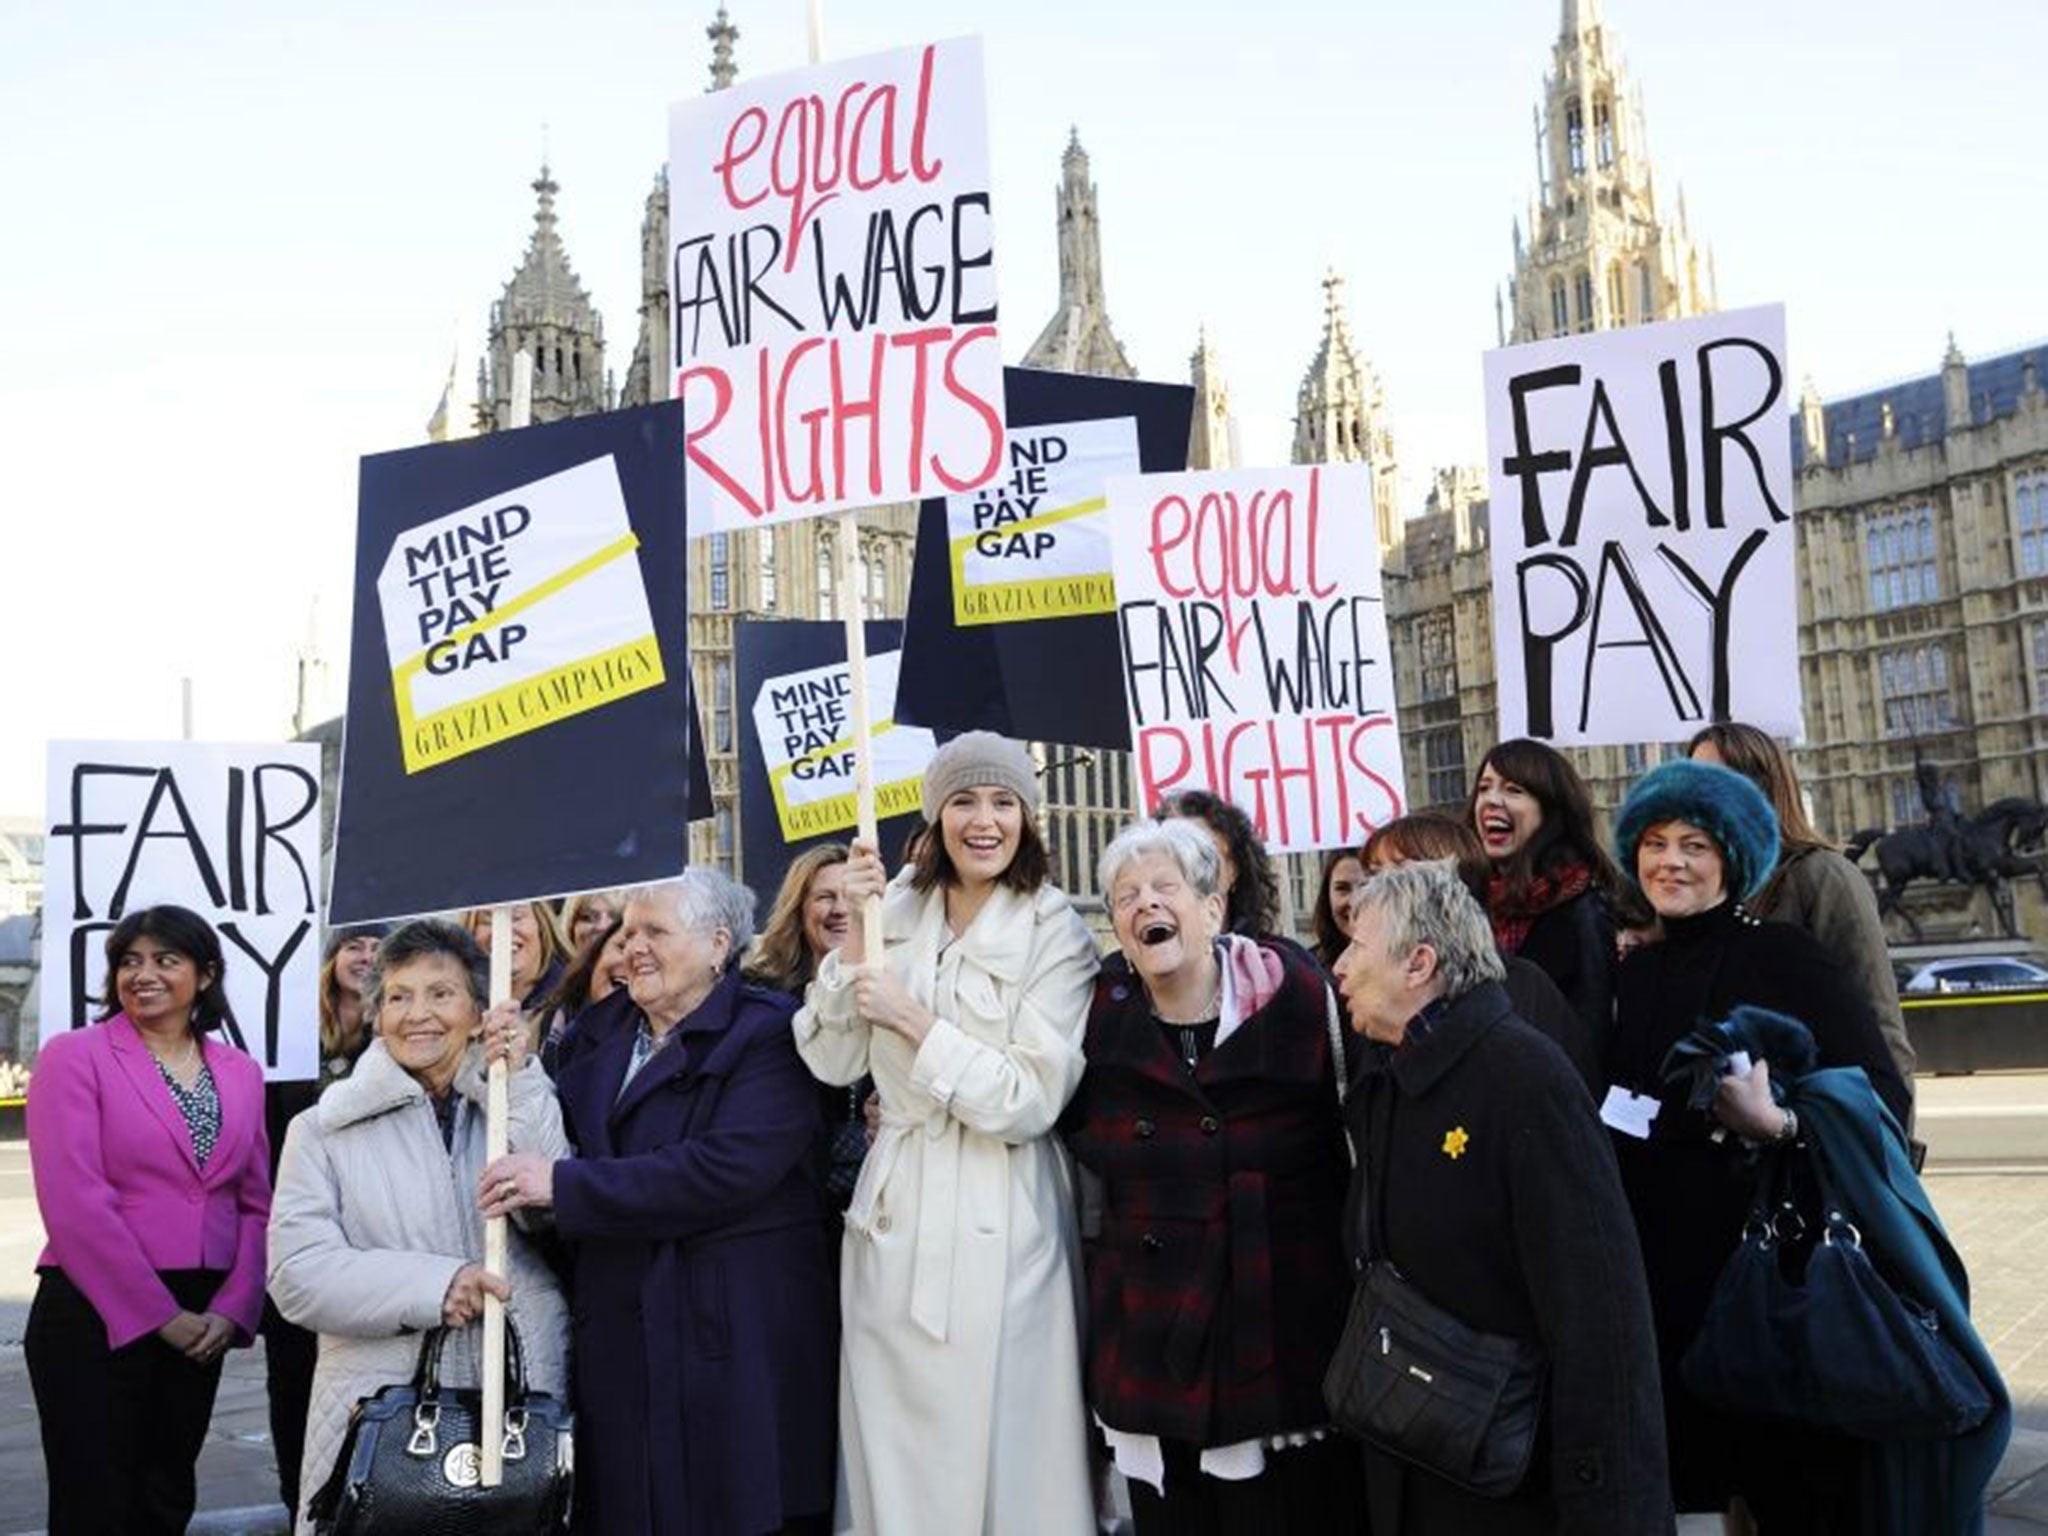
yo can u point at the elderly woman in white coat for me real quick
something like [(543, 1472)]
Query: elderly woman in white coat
[(375, 1232), (960, 1371)]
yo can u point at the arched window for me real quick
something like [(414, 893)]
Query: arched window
[(1560, 316), (1603, 134), (721, 570), (1646, 294), (828, 607), (1585, 298), (767, 538), (1575, 138), (1617, 296)]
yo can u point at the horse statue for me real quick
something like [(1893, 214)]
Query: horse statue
[(1999, 844)]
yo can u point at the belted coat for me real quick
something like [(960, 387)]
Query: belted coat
[(960, 1374), (702, 1303)]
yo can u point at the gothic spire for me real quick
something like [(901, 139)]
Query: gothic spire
[(546, 310), (1341, 413), (723, 35), (1078, 339)]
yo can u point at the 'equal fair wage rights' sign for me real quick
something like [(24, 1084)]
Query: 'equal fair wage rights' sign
[(833, 273), (1255, 647), (1642, 531)]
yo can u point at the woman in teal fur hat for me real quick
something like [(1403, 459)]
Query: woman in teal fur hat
[(1697, 839)]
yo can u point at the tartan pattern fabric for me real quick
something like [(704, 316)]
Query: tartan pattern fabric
[(1218, 1284)]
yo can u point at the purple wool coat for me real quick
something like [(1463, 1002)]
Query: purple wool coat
[(705, 1304)]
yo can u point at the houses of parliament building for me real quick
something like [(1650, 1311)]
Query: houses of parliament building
[(1922, 504)]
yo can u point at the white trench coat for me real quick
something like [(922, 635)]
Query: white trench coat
[(960, 1368)]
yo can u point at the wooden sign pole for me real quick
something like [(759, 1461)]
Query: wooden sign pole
[(852, 598), (498, 1109)]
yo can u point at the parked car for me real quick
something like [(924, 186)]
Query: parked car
[(1972, 973)]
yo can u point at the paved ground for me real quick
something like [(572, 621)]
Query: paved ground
[(1990, 1185)]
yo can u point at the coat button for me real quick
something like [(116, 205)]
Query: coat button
[(1211, 1125), (882, 1222), (1587, 1470), (1119, 993), (1145, 1130), (1152, 1243)]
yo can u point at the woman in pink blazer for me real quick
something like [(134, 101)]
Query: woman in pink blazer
[(152, 1173)]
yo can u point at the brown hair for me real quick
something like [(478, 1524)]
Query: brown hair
[(1567, 835), (1408, 839), (780, 956), (572, 993), (1330, 939), (333, 1044), (554, 949), (1758, 757), (932, 866)]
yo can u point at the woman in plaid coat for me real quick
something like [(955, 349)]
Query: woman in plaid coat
[(1218, 1284)]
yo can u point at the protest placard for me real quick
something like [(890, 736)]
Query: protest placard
[(1254, 647), (833, 319), (796, 754), (231, 831), (1641, 532), (518, 658), (1038, 676), (1034, 544)]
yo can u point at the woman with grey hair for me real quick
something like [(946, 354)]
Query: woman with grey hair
[(1217, 1288), (1486, 1186), (705, 1317), (373, 1235)]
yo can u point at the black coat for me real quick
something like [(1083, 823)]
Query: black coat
[(705, 1308), (1539, 1004), (1691, 1192), (1500, 1202), (1217, 1289), (1573, 943)]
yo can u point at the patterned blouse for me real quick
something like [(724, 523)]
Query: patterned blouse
[(200, 1105)]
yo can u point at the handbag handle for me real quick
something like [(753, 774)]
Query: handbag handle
[(426, 1377), (1337, 1066)]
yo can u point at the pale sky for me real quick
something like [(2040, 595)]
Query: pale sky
[(241, 238)]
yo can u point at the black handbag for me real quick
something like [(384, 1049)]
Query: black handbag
[(1415, 1382), (410, 1463), (1804, 1328)]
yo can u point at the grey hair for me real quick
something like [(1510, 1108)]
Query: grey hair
[(419, 939), (1425, 902), (1178, 838), (703, 899)]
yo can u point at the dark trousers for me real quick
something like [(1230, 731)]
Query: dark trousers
[(1317, 1487), (289, 1355), (122, 1428)]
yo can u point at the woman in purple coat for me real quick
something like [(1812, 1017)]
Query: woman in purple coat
[(705, 1315)]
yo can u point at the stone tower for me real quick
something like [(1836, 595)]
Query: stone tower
[(1212, 434), (1078, 339), (1341, 416), (544, 311), (1598, 252)]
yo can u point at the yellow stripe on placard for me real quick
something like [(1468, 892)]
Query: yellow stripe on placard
[(1031, 597), (623, 545), (841, 813), (1043, 519), (1039, 597), (527, 705)]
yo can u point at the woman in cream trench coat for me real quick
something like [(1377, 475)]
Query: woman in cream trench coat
[(960, 1376)]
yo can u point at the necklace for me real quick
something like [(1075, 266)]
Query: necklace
[(1208, 1010), (180, 1062)]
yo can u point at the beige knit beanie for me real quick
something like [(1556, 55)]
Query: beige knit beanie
[(979, 757)]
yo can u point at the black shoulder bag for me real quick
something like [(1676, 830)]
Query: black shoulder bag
[(410, 1464), (1412, 1380), (1806, 1329)]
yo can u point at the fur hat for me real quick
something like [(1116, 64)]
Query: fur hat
[(1721, 802), (979, 757)]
